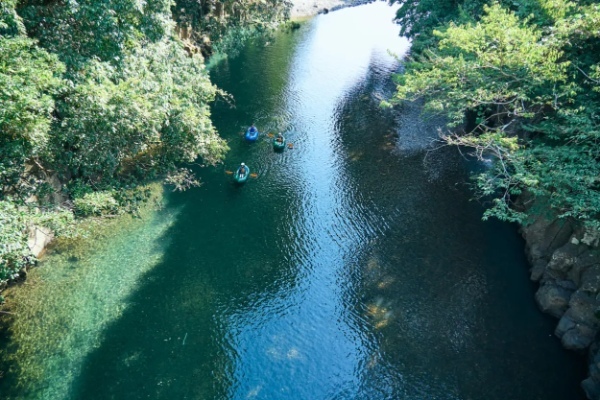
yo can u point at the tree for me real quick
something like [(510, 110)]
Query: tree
[(29, 78), (533, 94)]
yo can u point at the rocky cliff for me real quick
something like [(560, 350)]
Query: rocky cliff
[(565, 260)]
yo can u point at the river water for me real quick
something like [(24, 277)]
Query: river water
[(353, 266)]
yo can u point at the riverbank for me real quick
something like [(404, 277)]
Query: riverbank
[(565, 262), (302, 9), (308, 8), (91, 285), (43, 236)]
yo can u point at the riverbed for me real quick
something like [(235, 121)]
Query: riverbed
[(353, 265)]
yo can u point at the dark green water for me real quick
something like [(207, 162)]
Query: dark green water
[(353, 267)]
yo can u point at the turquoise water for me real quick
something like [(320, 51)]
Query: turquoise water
[(353, 266)]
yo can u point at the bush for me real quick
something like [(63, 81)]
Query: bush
[(96, 204), (15, 224)]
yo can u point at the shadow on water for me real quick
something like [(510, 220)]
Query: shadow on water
[(445, 297)]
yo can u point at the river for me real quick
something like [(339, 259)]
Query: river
[(353, 266)]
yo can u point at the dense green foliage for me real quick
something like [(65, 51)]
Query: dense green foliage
[(520, 84), (15, 225), (29, 77), (98, 97), (226, 24)]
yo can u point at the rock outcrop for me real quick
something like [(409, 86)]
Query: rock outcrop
[(565, 260)]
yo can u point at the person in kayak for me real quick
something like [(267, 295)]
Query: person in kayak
[(252, 128), (242, 170), (279, 138)]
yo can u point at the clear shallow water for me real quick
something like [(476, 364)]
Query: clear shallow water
[(352, 267)]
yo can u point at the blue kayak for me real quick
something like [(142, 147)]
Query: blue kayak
[(239, 177), (251, 135)]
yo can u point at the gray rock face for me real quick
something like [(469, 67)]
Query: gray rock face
[(590, 279), (566, 262), (591, 388), (553, 299), (584, 262), (538, 269), (564, 258), (544, 236), (579, 338), (583, 308), (564, 325), (579, 325), (591, 385), (590, 238)]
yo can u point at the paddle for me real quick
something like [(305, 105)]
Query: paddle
[(229, 172), (253, 175)]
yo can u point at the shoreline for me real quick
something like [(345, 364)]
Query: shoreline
[(303, 9), (306, 9)]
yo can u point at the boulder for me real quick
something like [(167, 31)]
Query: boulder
[(588, 258), (579, 338), (585, 260), (553, 299), (564, 257), (537, 271), (591, 238), (566, 284), (591, 387), (578, 326), (564, 325), (583, 309), (545, 235), (39, 238), (590, 280)]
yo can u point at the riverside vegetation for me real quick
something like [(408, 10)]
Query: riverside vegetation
[(523, 81), (98, 98), (519, 83)]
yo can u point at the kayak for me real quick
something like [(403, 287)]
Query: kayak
[(239, 178), (251, 136), (278, 146)]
